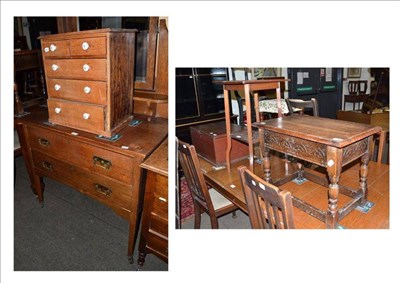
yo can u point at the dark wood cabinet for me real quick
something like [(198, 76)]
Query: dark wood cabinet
[(199, 97), (154, 230)]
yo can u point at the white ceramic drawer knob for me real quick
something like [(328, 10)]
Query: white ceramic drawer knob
[(85, 46), (53, 48), (87, 89), (86, 116), (57, 110), (86, 67), (57, 87), (54, 67), (46, 49)]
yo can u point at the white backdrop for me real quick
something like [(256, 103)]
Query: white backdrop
[(232, 34)]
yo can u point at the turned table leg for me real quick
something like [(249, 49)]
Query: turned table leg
[(334, 167), (363, 176), (267, 166)]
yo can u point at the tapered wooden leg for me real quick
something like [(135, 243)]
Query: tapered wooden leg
[(197, 216), (228, 129), (382, 141), (37, 186), (267, 166), (214, 223)]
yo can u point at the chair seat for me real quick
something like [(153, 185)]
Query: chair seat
[(218, 200)]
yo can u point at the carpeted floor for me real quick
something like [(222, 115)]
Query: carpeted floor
[(186, 201), (71, 232)]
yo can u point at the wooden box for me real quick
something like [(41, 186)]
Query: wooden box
[(90, 79), (376, 119), (210, 142)]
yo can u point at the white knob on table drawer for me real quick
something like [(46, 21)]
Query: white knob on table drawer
[(87, 89), (46, 49), (85, 46), (86, 116), (57, 110), (54, 67), (53, 47), (86, 67), (57, 87)]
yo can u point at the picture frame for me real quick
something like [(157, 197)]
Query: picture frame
[(354, 72)]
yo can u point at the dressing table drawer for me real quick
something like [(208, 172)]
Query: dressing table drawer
[(94, 159)]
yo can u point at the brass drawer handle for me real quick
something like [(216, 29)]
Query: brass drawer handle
[(43, 142), (103, 190), (105, 164), (162, 199), (47, 165)]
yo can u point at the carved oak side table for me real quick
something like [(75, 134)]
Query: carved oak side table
[(328, 143)]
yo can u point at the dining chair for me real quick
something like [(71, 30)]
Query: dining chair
[(357, 93), (204, 199), (267, 206), (305, 105), (308, 107)]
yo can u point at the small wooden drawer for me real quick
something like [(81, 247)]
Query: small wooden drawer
[(94, 159), (160, 206), (94, 69), (78, 90), (159, 224), (106, 190), (95, 46), (158, 244), (88, 117), (56, 48), (161, 189)]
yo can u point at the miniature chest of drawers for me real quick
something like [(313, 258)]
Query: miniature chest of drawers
[(154, 232), (90, 79), (107, 171)]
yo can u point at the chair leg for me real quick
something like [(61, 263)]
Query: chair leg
[(214, 222), (234, 214), (197, 216)]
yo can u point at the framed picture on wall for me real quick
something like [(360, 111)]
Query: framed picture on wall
[(354, 72)]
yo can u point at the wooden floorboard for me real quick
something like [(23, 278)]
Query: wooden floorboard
[(378, 193)]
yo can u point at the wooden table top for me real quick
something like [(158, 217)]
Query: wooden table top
[(327, 131), (228, 183), (138, 141), (158, 160), (222, 180), (254, 85)]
